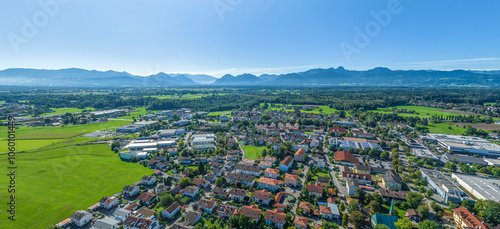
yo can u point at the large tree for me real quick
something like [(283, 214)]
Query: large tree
[(404, 223), (428, 224), (414, 199), (184, 182), (353, 206), (357, 218)]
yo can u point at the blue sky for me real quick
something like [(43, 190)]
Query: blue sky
[(249, 36)]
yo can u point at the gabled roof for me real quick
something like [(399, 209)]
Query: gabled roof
[(300, 221), (314, 188), (325, 210), (262, 194), (146, 196), (272, 171), (191, 217), (345, 156), (305, 205), (276, 216), (238, 192), (287, 161), (300, 152), (207, 203), (250, 211), (268, 181), (190, 189), (292, 177), (172, 207), (470, 219)]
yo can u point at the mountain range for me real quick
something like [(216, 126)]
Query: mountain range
[(340, 76)]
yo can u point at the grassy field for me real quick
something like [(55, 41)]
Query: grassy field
[(423, 112), (219, 113), (65, 110), (443, 128), (53, 184), (138, 112), (184, 96), (252, 151), (60, 132), (324, 109), (321, 173)]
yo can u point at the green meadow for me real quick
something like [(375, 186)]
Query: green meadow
[(252, 152), (423, 112), (53, 184), (324, 109), (219, 113)]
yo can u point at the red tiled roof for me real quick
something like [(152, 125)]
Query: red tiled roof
[(345, 156), (268, 181), (301, 221), (275, 215), (471, 220), (287, 161), (300, 152)]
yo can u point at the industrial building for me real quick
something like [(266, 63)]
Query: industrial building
[(480, 187), (346, 144), (465, 144), (444, 186)]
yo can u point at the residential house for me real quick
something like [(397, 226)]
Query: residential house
[(201, 182), (192, 218), (121, 214), (262, 196), (393, 195), (265, 164), (242, 178), (248, 170), (171, 210), (300, 222), (109, 202), (207, 205), (299, 155), (134, 222), (252, 212), (275, 218), (147, 198), (306, 207), (237, 194), (292, 180), (148, 180), (465, 219), (413, 215), (286, 163), (268, 183), (227, 211), (325, 212), (270, 159), (220, 192), (271, 173), (315, 190), (131, 191), (80, 218), (191, 191), (392, 180), (248, 162)]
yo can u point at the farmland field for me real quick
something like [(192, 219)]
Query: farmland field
[(252, 151), (482, 126), (324, 109), (423, 112), (443, 128), (55, 183)]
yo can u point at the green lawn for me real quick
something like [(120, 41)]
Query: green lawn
[(321, 173), (184, 96), (400, 212), (52, 184), (252, 151), (135, 114)]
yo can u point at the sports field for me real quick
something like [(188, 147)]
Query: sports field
[(53, 184)]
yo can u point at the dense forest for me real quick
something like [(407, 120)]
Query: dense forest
[(219, 99)]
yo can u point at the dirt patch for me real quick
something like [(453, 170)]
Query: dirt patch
[(481, 126)]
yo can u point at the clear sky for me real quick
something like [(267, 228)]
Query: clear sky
[(249, 36)]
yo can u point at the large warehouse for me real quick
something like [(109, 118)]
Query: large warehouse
[(480, 187), (465, 144)]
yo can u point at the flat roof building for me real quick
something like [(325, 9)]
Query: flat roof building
[(480, 187), (465, 144), (444, 186)]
